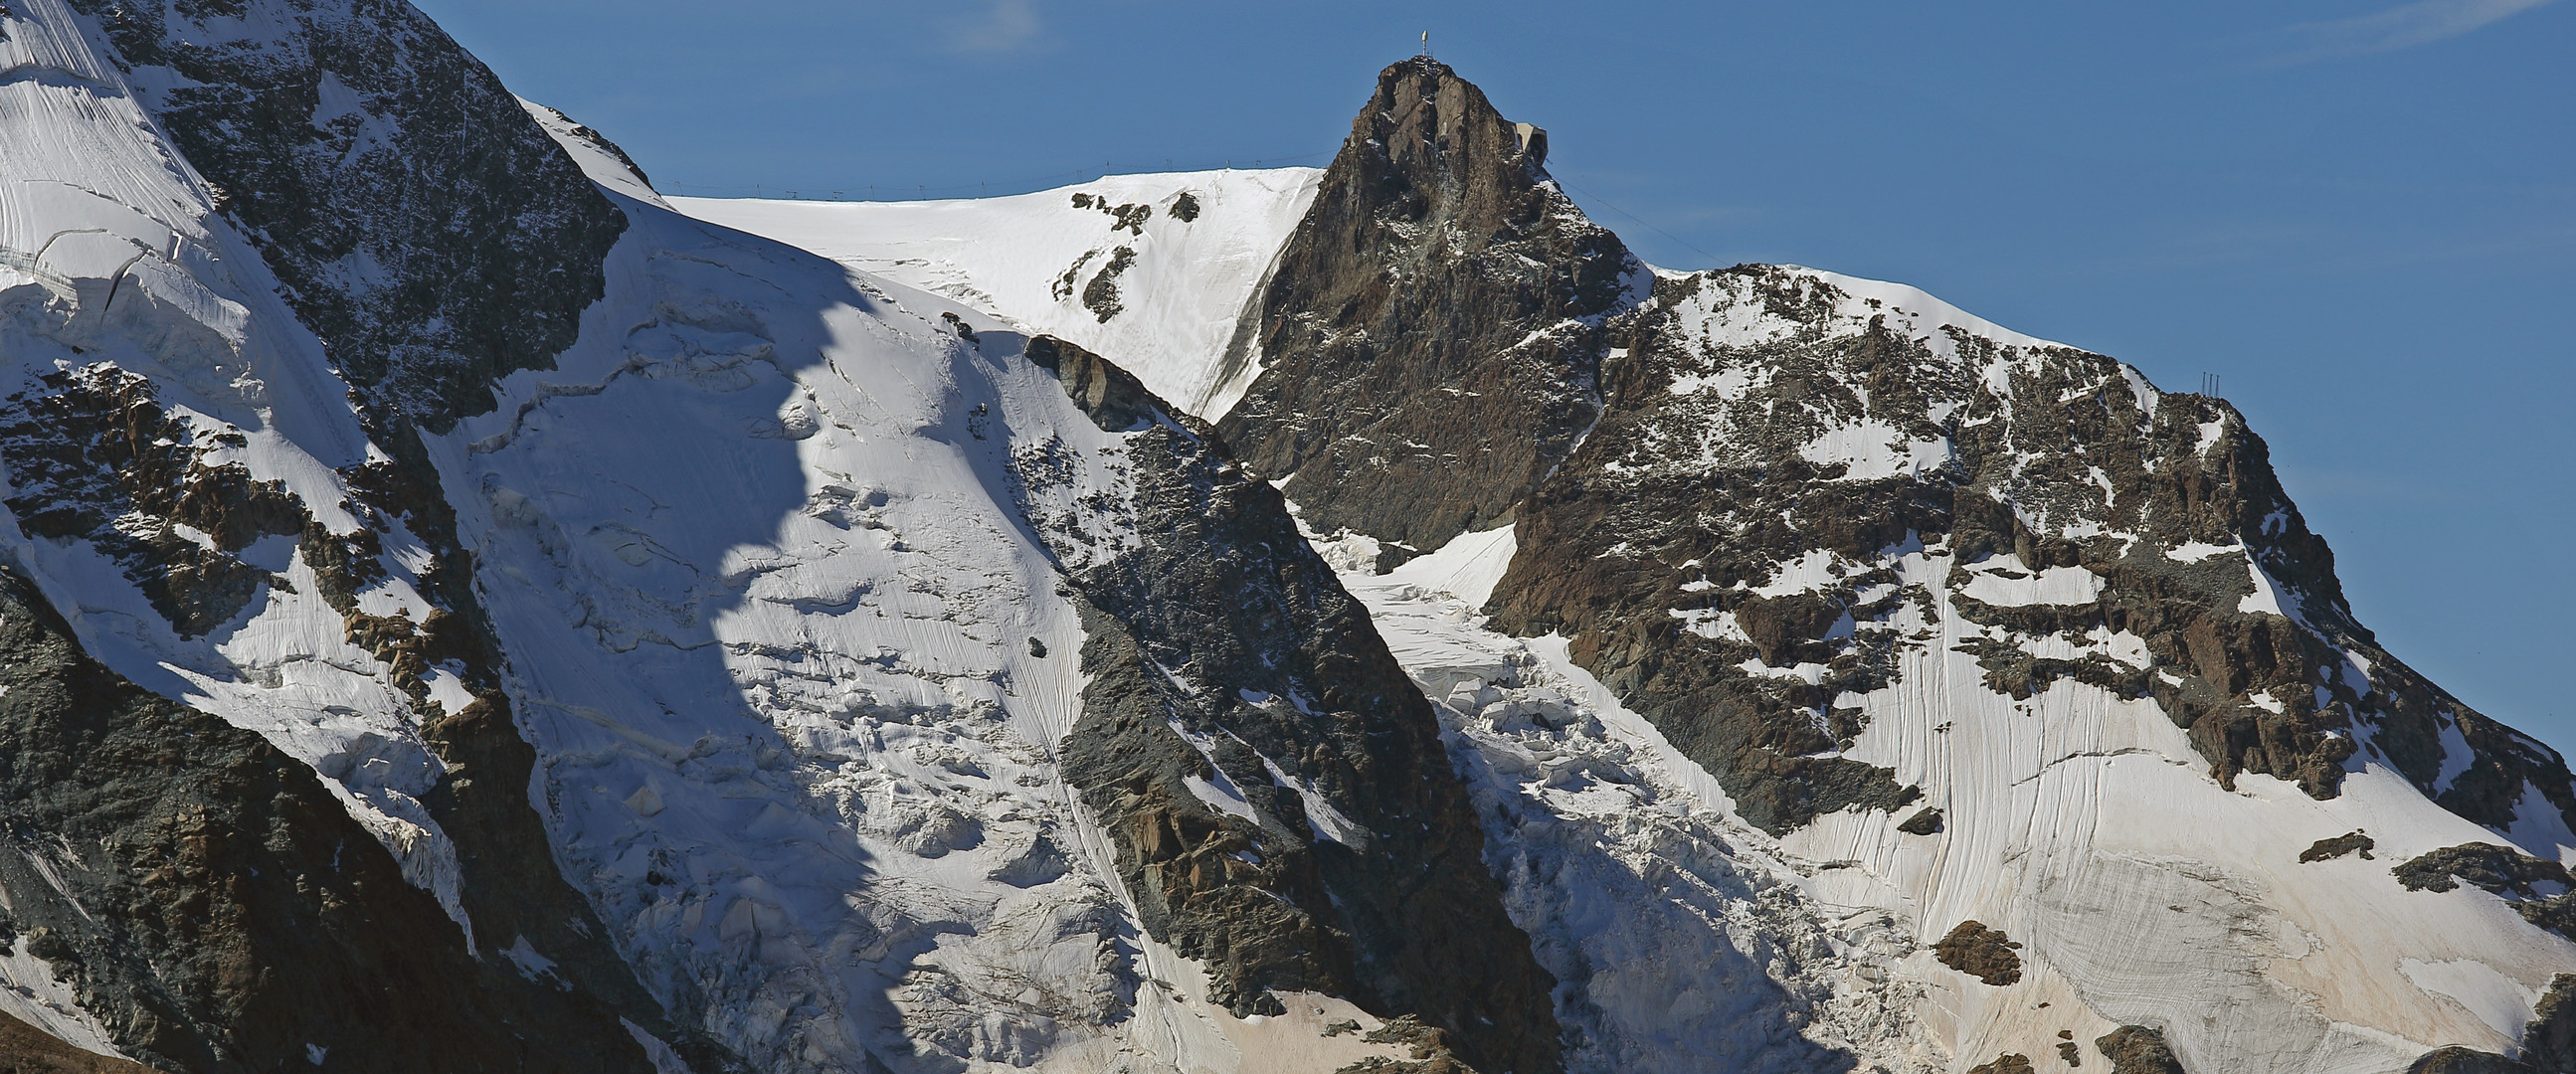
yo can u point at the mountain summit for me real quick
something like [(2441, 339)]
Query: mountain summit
[(463, 610)]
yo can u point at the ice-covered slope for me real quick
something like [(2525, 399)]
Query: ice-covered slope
[(1153, 270)]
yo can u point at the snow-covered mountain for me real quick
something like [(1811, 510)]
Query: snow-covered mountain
[(1854, 682), (463, 610)]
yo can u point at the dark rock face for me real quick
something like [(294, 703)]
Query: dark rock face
[(2333, 847), (434, 238), (432, 234), (1980, 952), (2459, 1060), (1433, 330), (1228, 664), (2499, 870), (2549, 1040), (1926, 821), (218, 910), (2138, 1050), (2007, 1063)]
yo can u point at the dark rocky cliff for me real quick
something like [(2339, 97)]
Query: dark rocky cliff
[(1432, 333), (1224, 653), (216, 909), (421, 223)]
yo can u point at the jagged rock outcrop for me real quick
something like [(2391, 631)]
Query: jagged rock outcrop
[(2539, 889), (433, 238), (93, 454), (1277, 788), (1980, 952), (2138, 1050), (1432, 333)]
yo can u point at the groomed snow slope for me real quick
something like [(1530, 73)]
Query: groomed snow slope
[(1122, 266)]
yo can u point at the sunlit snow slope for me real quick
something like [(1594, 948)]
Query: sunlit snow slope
[(1153, 271)]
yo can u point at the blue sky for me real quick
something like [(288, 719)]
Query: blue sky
[(2361, 214)]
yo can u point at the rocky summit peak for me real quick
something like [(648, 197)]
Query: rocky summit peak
[(1438, 263)]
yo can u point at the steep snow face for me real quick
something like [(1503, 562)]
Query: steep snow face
[(127, 305), (600, 159), (1154, 271)]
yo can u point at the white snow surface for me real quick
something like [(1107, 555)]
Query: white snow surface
[(1028, 259), (767, 609)]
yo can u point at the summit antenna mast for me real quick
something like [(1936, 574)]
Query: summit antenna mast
[(1426, 44)]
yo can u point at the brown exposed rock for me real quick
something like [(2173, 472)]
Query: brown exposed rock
[(2457, 1059), (2007, 1063), (1432, 330), (483, 239), (1926, 821), (217, 908), (2138, 1050), (2333, 847), (1980, 952), (1710, 489), (93, 455)]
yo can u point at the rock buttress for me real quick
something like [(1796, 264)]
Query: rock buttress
[(1228, 666)]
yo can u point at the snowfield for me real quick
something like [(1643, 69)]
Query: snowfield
[(1036, 261)]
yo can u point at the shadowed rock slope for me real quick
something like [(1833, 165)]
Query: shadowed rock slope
[(1225, 655), (214, 908)]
